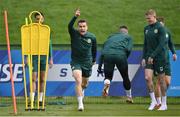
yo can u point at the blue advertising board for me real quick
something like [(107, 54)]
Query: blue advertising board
[(61, 83)]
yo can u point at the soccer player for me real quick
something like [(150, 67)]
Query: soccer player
[(167, 67), (83, 47), (154, 54), (35, 71), (115, 52)]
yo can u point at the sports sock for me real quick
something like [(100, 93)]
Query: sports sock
[(128, 93), (80, 100), (164, 98), (158, 100), (41, 96), (153, 99)]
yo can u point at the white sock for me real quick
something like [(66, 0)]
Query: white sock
[(80, 100), (41, 96), (107, 81), (158, 100), (128, 93), (164, 98), (153, 99), (33, 95)]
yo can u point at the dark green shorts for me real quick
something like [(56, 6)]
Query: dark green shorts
[(42, 63), (167, 69), (158, 66), (85, 67)]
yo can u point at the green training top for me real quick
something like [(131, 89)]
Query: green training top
[(170, 43), (83, 47), (117, 44), (155, 40)]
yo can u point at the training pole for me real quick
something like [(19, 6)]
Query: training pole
[(10, 63)]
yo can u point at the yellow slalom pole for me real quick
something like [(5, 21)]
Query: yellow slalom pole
[(39, 57), (24, 72), (46, 71), (30, 68)]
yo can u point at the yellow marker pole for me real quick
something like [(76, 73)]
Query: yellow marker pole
[(24, 72), (35, 41)]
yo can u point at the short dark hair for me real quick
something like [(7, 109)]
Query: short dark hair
[(123, 26), (36, 14), (82, 21), (160, 19)]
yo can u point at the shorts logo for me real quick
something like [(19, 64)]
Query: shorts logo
[(161, 68), (155, 30), (72, 67)]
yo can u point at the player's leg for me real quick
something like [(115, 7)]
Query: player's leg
[(85, 82), (150, 86), (168, 80), (34, 75), (160, 66), (42, 78), (122, 65), (108, 71), (77, 74), (158, 94)]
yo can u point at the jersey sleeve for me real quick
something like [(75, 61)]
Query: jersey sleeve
[(144, 47), (170, 44), (129, 46), (94, 49), (50, 49), (71, 29)]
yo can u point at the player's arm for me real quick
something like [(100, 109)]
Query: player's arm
[(129, 46), (101, 61), (170, 44), (71, 23), (94, 50), (50, 54), (162, 42), (143, 62)]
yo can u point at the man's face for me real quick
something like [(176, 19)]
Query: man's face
[(38, 17), (82, 28), (151, 19)]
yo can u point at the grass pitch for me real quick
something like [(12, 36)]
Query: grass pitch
[(94, 106)]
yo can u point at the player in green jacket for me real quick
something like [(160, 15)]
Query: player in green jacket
[(42, 65), (167, 67), (154, 54), (115, 52), (83, 48)]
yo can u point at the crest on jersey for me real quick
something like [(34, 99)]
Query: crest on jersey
[(89, 40), (167, 36), (155, 30)]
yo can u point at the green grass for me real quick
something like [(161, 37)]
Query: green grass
[(104, 17), (94, 106)]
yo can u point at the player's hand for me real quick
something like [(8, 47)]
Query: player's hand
[(150, 60), (143, 63), (174, 57), (51, 63), (77, 12), (26, 62), (99, 70)]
